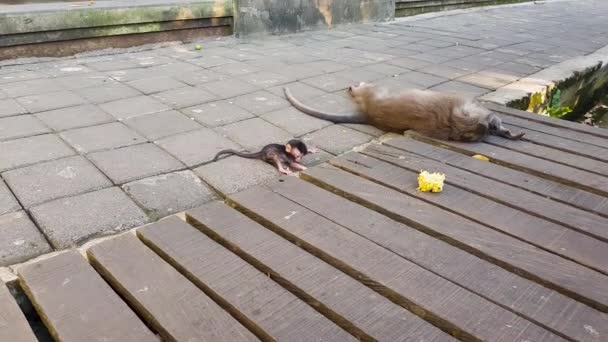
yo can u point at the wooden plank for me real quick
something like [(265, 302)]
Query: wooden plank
[(76, 304), (532, 301), (566, 135), (171, 304), (321, 285), (442, 302), (545, 234), (261, 304), (13, 325), (574, 126), (520, 161), (512, 254), (538, 185), (548, 153), (528, 202)]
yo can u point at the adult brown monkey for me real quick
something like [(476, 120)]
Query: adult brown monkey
[(434, 114)]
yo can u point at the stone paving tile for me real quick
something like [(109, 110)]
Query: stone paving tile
[(135, 106), (8, 203), (156, 85), (10, 107), (131, 163), (30, 87), (74, 117), (84, 81), (131, 74), (337, 139), (294, 122), (113, 65), (260, 102), (49, 101), (101, 137), (329, 82), (163, 124), (218, 113), (199, 77), (313, 159), (211, 61), (253, 134), (514, 69), (71, 221), (227, 175), (21, 126), (386, 69), (20, 240), (488, 79), (225, 89), (461, 88), (298, 89), (359, 75), (26, 151), (184, 97), (235, 69), (170, 193), (367, 129), (107, 92), (174, 69), (409, 63), (444, 71), (196, 147), (421, 79), (54, 179)]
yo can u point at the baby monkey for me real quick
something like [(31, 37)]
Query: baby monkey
[(283, 157)]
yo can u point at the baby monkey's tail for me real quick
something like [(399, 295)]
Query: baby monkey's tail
[(256, 155), (497, 128)]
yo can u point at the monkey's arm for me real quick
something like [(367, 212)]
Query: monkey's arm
[(298, 166), (279, 165)]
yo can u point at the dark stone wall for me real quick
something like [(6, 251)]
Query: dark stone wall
[(287, 16)]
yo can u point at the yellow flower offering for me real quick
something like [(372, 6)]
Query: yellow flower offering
[(432, 182), (481, 157)]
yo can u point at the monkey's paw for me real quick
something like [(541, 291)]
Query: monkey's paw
[(430, 182)]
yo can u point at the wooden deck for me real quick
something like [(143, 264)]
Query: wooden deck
[(515, 249)]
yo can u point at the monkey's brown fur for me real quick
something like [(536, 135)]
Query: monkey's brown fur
[(434, 114)]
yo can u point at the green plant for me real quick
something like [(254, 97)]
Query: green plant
[(554, 109)]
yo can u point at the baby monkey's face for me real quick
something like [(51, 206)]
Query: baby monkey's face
[(295, 152)]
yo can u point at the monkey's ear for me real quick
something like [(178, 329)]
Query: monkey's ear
[(288, 148)]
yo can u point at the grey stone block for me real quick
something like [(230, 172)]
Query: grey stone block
[(196, 147), (329, 83), (20, 240), (113, 65), (184, 97), (367, 129), (267, 79), (174, 69), (107, 92), (228, 88), (298, 89), (254, 133), (51, 180), (294, 122), (170, 193), (71, 221), (337, 139), (21, 126), (210, 61), (260, 102), (74, 117), (200, 77), (313, 159), (488, 79), (461, 89), (217, 113), (444, 71), (359, 75), (26, 151), (91, 79), (156, 85), (409, 63), (386, 69), (136, 106), (234, 174), (134, 162), (421, 79), (10, 107), (31, 87), (50, 101), (8, 203), (235, 69), (102, 137), (163, 124)]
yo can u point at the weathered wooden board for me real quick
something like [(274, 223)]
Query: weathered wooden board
[(538, 185), (168, 301), (526, 201), (566, 135), (533, 263), (520, 161), (458, 310), (573, 126), (76, 304), (556, 143), (545, 234), (261, 304), (13, 325), (321, 285), (523, 296), (548, 153)]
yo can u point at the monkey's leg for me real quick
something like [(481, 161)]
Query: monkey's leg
[(279, 165)]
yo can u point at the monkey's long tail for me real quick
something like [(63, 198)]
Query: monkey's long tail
[(497, 128), (255, 155), (335, 118)]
